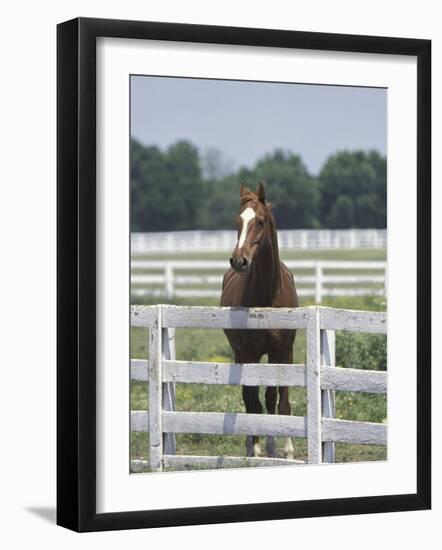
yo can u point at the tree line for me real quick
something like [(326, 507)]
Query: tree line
[(178, 189)]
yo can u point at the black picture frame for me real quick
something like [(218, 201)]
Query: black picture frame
[(77, 287)]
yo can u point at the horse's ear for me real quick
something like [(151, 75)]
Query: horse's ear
[(261, 192), (244, 193)]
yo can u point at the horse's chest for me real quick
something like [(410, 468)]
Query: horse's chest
[(259, 342)]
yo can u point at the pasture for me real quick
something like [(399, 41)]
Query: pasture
[(361, 254), (211, 345), (347, 272)]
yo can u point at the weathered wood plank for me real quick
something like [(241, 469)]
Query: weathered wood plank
[(260, 318), (139, 370), (250, 374), (236, 318), (155, 392), (348, 431), (194, 372), (343, 431), (313, 388), (332, 378), (369, 381), (139, 421), (328, 395), (353, 321), (234, 424), (143, 316), (169, 443), (224, 423)]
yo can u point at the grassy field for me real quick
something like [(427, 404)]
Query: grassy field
[(338, 254), (211, 345)]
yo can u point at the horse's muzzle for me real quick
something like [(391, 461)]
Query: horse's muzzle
[(239, 264)]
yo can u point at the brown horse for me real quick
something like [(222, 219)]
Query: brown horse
[(257, 278)]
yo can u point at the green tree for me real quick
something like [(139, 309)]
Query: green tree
[(290, 188), (215, 166), (168, 191), (166, 188), (353, 190), (222, 202), (343, 212)]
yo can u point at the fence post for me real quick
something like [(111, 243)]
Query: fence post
[(304, 240), (318, 282), (353, 239), (155, 393), (328, 396), (168, 275), (168, 339), (313, 382)]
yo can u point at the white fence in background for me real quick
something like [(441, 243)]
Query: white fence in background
[(190, 279), (319, 375), (288, 239)]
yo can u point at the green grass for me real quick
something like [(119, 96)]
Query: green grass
[(365, 254), (211, 345)]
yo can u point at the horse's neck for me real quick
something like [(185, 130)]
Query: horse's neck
[(265, 277)]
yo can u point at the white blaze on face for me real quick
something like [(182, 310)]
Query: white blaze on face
[(246, 216)]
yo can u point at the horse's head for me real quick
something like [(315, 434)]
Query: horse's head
[(254, 229)]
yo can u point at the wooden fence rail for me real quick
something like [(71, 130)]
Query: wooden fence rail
[(288, 239), (318, 278), (319, 375)]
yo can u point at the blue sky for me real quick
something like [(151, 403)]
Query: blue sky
[(245, 120)]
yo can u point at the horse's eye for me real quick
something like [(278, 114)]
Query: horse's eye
[(260, 223)]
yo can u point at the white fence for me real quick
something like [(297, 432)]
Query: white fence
[(171, 278), (288, 239), (319, 375)]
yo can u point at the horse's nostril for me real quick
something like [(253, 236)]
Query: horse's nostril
[(238, 263)]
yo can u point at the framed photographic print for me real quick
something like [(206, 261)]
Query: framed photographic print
[(243, 274)]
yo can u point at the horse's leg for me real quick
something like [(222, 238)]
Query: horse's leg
[(271, 408), (284, 408), (253, 405), (284, 357), (250, 395)]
